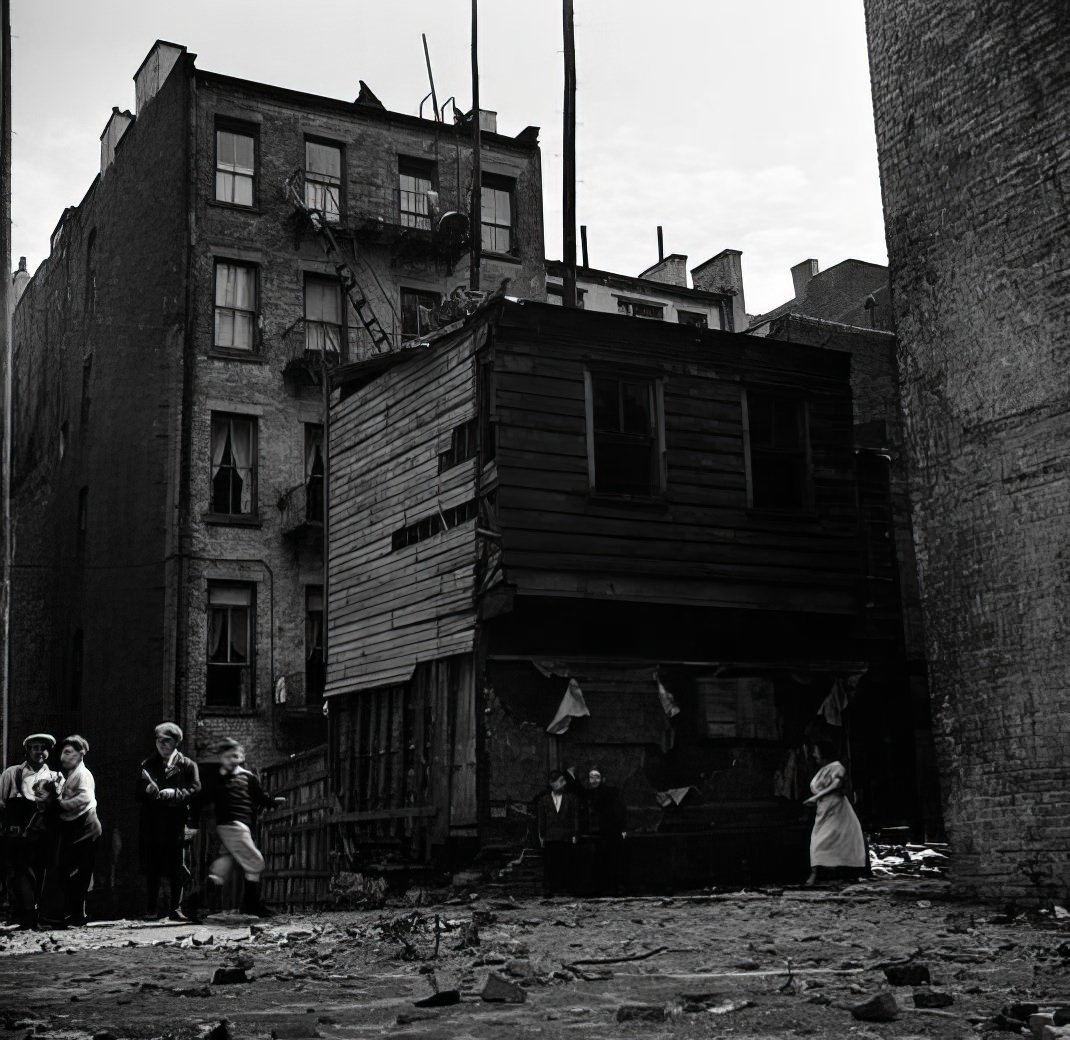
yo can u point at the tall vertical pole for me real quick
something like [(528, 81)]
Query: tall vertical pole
[(568, 238), (477, 163), (430, 77), (6, 352)]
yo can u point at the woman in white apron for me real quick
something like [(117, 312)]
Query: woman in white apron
[(837, 845)]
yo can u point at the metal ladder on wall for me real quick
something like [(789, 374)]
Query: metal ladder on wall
[(356, 295)]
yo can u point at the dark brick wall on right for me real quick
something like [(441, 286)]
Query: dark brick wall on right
[(971, 104)]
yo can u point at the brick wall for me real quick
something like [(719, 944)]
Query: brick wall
[(970, 103)]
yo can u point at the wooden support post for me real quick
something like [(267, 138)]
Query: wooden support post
[(568, 238)]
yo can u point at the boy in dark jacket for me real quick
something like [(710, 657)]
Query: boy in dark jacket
[(558, 814), (168, 784), (238, 795)]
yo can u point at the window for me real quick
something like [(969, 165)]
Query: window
[(323, 179), (488, 433), (233, 487), (235, 306), (556, 294), (741, 708), (235, 167), (464, 443), (436, 523), (314, 470), (624, 434), (778, 466), (323, 315), (91, 273), (230, 645), (497, 214), (315, 673), (693, 318), (418, 312), (638, 309), (83, 519), (415, 180), (64, 438)]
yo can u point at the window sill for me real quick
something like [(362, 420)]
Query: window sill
[(220, 710), (254, 209), (248, 356), (506, 258), (227, 520), (655, 501)]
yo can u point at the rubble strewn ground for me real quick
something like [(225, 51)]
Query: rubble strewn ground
[(768, 963)]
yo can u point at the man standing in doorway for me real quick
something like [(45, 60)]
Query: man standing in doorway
[(558, 815)]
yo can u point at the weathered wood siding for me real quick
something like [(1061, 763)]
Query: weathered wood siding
[(390, 609), (699, 543)]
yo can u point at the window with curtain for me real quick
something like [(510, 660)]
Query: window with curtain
[(235, 306), (233, 483), (496, 204), (323, 179), (323, 315), (314, 470), (235, 167), (231, 624), (415, 180), (315, 673)]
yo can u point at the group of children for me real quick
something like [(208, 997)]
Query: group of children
[(50, 827)]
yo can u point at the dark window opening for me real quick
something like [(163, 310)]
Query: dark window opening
[(235, 167), (693, 318), (779, 469), (418, 312), (91, 273), (233, 484), (230, 645), (638, 309), (64, 439), (323, 179), (496, 205), (315, 673), (464, 443), (87, 371), (436, 523), (416, 182), (488, 428), (235, 306), (624, 425), (314, 471), (556, 294)]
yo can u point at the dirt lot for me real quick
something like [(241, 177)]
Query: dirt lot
[(771, 963)]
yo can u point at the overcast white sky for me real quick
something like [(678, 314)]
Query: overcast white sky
[(732, 123)]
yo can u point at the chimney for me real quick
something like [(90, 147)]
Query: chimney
[(19, 281), (723, 273), (488, 121), (113, 132), (154, 70), (670, 271), (801, 275)]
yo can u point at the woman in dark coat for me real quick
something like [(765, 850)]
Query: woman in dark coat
[(607, 822), (166, 788)]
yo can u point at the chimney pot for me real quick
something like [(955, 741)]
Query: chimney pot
[(801, 275)]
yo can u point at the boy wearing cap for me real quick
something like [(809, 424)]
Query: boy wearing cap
[(238, 795), (21, 809), (168, 784)]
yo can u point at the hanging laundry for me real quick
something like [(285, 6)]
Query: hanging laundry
[(668, 701), (280, 690), (673, 796), (573, 706), (833, 705)]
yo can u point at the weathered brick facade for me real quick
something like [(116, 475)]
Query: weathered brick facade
[(970, 103), (116, 357)]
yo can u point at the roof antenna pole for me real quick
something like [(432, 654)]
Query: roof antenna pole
[(661, 245), (431, 78), (477, 167), (568, 238)]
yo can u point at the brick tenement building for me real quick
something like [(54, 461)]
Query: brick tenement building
[(970, 104), (169, 427)]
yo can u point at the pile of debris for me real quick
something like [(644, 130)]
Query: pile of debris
[(914, 860)]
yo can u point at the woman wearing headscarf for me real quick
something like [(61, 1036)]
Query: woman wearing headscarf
[(837, 845), (76, 830), (167, 786)]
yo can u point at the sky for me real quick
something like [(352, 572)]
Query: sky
[(743, 124)]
